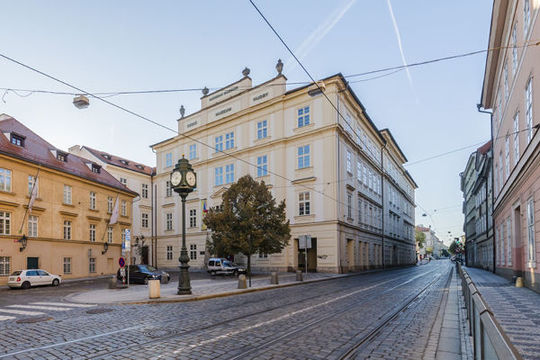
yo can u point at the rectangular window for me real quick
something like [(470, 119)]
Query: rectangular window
[(509, 241), (516, 138), (193, 252), (229, 173), (124, 208), (32, 226), (349, 205), (144, 220), (169, 252), (5, 223), (67, 194), (218, 176), (109, 205), (219, 143), (531, 247), (5, 180), (168, 221), (529, 110), (17, 140), (304, 203), (303, 157), (92, 265), (144, 191), (5, 265), (359, 171), (109, 234), (67, 265), (123, 181), (92, 236), (192, 151), (92, 200), (349, 162), (31, 182), (229, 140), (168, 188), (168, 159), (263, 256), (526, 17), (262, 129), (193, 218), (67, 230), (514, 50), (303, 116), (360, 204), (262, 165)]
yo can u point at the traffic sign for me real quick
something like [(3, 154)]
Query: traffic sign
[(128, 239), (121, 262)]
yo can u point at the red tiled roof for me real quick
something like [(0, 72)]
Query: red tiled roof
[(484, 148), (121, 162), (39, 151)]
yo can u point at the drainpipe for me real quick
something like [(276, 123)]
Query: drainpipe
[(382, 203), (481, 109), (338, 205)]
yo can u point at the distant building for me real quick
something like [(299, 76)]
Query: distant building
[(432, 244), (511, 90), (55, 208), (327, 168), (138, 178), (476, 186)]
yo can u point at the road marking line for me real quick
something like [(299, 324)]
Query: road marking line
[(3, 318), (69, 342), (20, 312), (63, 304), (37, 307)]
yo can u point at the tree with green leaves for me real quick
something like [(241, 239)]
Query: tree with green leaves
[(249, 221), (420, 238)]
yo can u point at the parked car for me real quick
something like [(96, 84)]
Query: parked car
[(224, 266), (33, 277), (142, 273)]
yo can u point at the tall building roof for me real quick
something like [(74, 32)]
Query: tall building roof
[(121, 162), (32, 148)]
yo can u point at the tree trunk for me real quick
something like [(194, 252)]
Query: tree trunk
[(249, 269)]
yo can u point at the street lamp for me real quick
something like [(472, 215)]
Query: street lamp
[(183, 181)]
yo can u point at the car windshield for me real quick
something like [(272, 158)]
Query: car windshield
[(16, 273), (227, 264), (151, 268)]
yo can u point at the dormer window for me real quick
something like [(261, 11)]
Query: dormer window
[(106, 156), (17, 140), (124, 162), (62, 156), (140, 167), (96, 168)]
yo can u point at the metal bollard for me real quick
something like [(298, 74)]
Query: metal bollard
[(274, 278), (112, 282), (242, 284), (299, 276)]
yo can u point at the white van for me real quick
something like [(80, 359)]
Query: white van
[(224, 266)]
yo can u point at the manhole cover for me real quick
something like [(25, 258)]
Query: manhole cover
[(158, 333), (98, 311), (33, 320)]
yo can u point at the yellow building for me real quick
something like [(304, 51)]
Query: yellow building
[(65, 227)]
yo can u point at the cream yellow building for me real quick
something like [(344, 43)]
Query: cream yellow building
[(325, 164), (67, 231)]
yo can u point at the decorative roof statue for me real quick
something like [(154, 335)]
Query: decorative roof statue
[(279, 66), (182, 111), (205, 91), (246, 72)]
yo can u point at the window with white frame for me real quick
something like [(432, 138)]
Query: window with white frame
[(193, 251), (218, 176), (122, 235), (262, 129), (193, 218), (303, 118), (168, 189), (229, 140), (229, 173), (5, 180), (144, 191), (168, 221), (31, 182), (5, 223), (67, 265), (144, 220), (67, 230), (192, 151), (514, 49), (516, 138), (359, 171), (526, 17), (67, 194), (304, 159), (169, 252), (509, 241), (529, 110), (262, 165), (124, 208), (349, 205), (531, 247), (91, 265), (168, 159), (92, 236), (262, 255), (5, 265), (360, 204), (32, 226), (109, 205), (109, 234), (507, 157), (123, 181), (304, 203), (349, 162), (92, 200), (219, 143)]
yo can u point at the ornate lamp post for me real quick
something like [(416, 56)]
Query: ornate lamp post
[(183, 181)]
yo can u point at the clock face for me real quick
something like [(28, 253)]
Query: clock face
[(176, 178), (190, 178)]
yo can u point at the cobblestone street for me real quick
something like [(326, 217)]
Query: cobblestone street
[(388, 315)]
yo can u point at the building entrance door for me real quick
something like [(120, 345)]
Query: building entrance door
[(311, 257), (144, 255), (350, 253), (32, 262), (519, 248)]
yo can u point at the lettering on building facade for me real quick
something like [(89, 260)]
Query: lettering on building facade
[(260, 96), (221, 112)]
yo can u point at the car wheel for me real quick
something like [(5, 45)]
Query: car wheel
[(55, 282), (25, 285), (213, 273)]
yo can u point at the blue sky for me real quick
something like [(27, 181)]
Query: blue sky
[(136, 45)]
